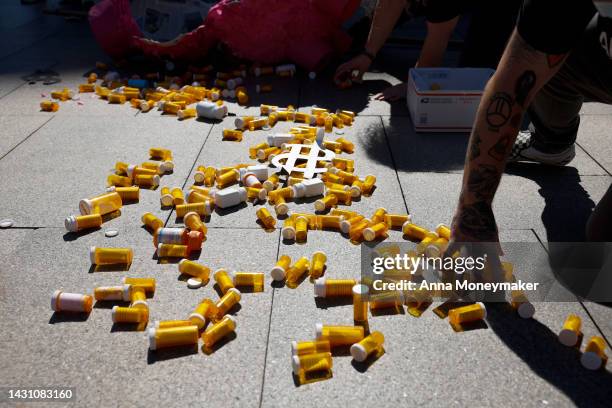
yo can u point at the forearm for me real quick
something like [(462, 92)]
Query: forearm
[(436, 41), (385, 17), (521, 73)]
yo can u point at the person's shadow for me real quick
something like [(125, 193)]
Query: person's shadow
[(541, 350)]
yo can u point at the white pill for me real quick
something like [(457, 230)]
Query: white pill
[(111, 233), (6, 223), (194, 283)]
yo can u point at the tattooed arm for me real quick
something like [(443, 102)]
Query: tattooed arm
[(522, 71)]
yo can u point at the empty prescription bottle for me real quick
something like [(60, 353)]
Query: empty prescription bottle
[(130, 193), (102, 204), (254, 280), (309, 347), (370, 345), (71, 302), (110, 256), (82, 222), (219, 330), (339, 335), (280, 269), (151, 221), (173, 337)]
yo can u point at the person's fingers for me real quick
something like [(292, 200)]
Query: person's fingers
[(392, 97), (379, 96), (342, 70)]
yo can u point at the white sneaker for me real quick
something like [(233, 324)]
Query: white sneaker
[(523, 150)]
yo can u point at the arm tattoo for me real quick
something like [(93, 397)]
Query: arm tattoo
[(499, 110), (475, 147), (500, 149), (477, 221), (524, 85), (482, 181)]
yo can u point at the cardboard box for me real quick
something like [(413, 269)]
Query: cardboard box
[(445, 99)]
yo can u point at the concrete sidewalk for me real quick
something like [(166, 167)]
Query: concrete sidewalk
[(49, 161)]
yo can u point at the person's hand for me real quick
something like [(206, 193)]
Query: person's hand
[(474, 234), (353, 69), (393, 93)]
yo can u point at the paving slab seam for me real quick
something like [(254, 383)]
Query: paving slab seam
[(593, 158), (382, 124), (263, 378), (26, 138), (586, 310), (190, 170)]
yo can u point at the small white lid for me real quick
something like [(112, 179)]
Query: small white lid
[(294, 347), (481, 305), (295, 363), (199, 317), (140, 302), (208, 207), (167, 166), (281, 209), (590, 360), (144, 106), (54, 298), (345, 226), (361, 290), (156, 324), (277, 273), (355, 191), (319, 287), (114, 313), (368, 234), (110, 189), (166, 200), (85, 206), (236, 291), (299, 190), (130, 170), (526, 310), (152, 340), (263, 194), (441, 225), (92, 255), (232, 318), (156, 180), (70, 223), (288, 233), (359, 352), (318, 330), (239, 122), (432, 251), (568, 338), (319, 205), (194, 283), (127, 289)]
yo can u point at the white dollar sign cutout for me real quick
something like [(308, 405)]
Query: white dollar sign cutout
[(311, 158)]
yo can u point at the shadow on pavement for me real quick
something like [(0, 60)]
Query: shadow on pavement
[(541, 350)]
